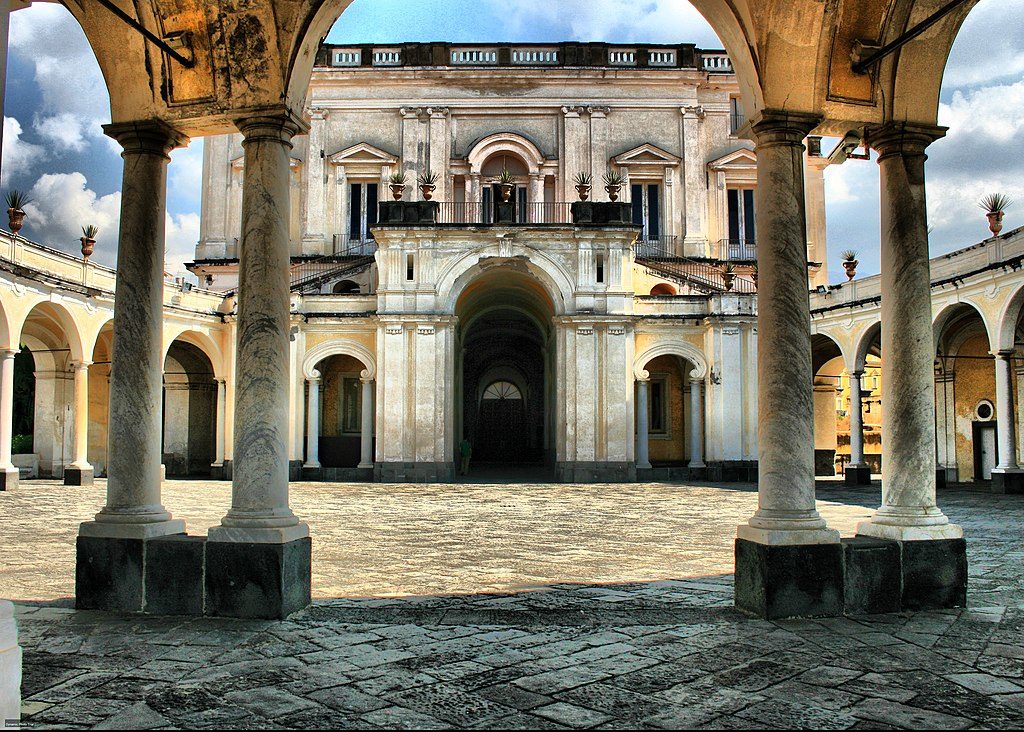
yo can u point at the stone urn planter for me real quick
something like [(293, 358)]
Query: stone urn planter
[(995, 222), (850, 263), (583, 181), (506, 191), (428, 183), (88, 240), (994, 205), (728, 277), (397, 184), (612, 185), (16, 202)]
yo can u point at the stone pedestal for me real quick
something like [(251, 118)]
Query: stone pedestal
[(860, 475), (10, 664), (1007, 481), (873, 578), (258, 580), (934, 574), (803, 580), (173, 580), (109, 574), (8, 478), (78, 476)]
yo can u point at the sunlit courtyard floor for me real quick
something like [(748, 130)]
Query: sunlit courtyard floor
[(515, 606)]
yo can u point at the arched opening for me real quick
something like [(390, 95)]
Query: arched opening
[(504, 374), (190, 411), (967, 431), (340, 411), (346, 287), (663, 289), (44, 392), (672, 396)]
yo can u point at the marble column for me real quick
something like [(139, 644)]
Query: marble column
[(642, 424), (786, 513), (366, 424), (313, 423), (80, 472), (474, 206), (133, 507), (8, 473), (222, 403), (908, 510), (694, 242), (259, 510), (1007, 475), (696, 422), (856, 422)]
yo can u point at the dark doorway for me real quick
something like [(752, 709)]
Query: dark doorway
[(503, 389)]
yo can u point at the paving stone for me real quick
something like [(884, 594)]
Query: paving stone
[(601, 639)]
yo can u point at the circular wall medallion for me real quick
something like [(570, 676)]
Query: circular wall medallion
[(985, 411)]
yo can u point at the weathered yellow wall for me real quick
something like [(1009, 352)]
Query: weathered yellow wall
[(974, 379), (672, 445)]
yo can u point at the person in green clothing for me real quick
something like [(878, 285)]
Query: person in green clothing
[(466, 451)]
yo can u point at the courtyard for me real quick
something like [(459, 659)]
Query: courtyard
[(515, 606)]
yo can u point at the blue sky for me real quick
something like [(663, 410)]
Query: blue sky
[(56, 102)]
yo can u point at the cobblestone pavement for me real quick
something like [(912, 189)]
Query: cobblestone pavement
[(629, 623)]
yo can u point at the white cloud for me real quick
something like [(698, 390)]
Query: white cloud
[(62, 203), (182, 234), (67, 131), (623, 21), (18, 155), (990, 46), (991, 111)]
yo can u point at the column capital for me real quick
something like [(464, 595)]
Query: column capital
[(146, 137), (776, 127), (314, 377), (1005, 354), (8, 353), (81, 365), (696, 377), (902, 138), (272, 125), (693, 111), (642, 375)]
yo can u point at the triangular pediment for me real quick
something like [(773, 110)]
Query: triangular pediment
[(742, 159), (239, 163), (362, 154), (646, 154)]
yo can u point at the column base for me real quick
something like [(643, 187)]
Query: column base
[(857, 475), (312, 472), (295, 470), (797, 580), (221, 471), (173, 580), (109, 573), (78, 476), (258, 580), (934, 574), (9, 478), (1008, 481), (898, 532), (732, 471)]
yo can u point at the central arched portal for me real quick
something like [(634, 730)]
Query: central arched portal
[(505, 402)]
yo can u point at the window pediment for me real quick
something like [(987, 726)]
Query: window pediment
[(646, 155), (738, 160), (362, 154)]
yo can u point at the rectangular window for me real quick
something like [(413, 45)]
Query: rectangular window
[(748, 214), (351, 416), (741, 223), (488, 205), (362, 210), (600, 268), (521, 204), (410, 267), (646, 205), (736, 119), (657, 424)]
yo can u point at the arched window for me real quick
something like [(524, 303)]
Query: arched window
[(346, 287), (502, 390), (663, 289)]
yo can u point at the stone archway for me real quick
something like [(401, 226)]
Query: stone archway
[(505, 391)]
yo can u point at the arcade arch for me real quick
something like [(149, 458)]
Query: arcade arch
[(504, 337)]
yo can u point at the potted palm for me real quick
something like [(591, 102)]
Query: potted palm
[(89, 240), (612, 184), (428, 182), (850, 263), (16, 202), (994, 205), (397, 184), (506, 182), (582, 181), (728, 276)]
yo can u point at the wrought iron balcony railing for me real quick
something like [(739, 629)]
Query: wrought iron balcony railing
[(737, 250), (535, 212), (663, 258)]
